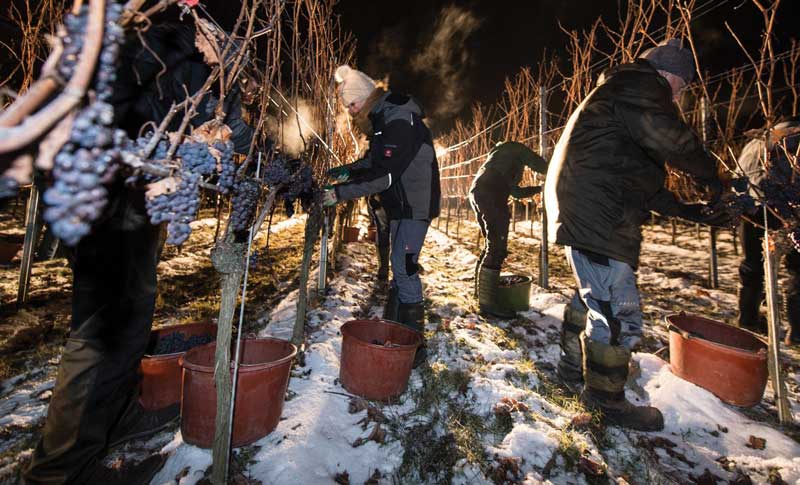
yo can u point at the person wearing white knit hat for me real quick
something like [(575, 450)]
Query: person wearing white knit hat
[(354, 87), (401, 171)]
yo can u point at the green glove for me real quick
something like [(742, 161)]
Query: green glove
[(340, 174), (329, 196)]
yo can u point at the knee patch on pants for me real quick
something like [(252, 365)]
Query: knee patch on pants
[(411, 266), (613, 324)]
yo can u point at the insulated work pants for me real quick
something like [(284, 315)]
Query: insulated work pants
[(379, 218), (608, 289), (751, 278), (493, 215), (114, 292), (408, 235)]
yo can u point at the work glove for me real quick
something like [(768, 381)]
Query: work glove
[(329, 196), (339, 174), (715, 216), (525, 192)]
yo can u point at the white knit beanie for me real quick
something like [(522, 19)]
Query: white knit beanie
[(355, 85)]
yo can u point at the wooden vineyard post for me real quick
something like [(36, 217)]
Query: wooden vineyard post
[(29, 244), (713, 269), (313, 226), (447, 224), (674, 231), (543, 256), (228, 258), (458, 222), (773, 316), (513, 216)]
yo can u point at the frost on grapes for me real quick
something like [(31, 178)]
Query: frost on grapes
[(177, 208)]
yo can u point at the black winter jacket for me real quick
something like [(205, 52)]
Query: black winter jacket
[(400, 165), (607, 170), (503, 170)]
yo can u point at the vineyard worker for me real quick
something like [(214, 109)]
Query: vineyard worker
[(782, 139), (496, 181), (401, 168), (607, 172), (95, 400)]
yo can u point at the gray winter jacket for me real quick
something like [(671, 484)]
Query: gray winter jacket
[(751, 160), (400, 166)]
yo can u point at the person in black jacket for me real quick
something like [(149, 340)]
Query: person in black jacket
[(95, 400), (607, 172), (783, 139), (496, 181), (401, 168)]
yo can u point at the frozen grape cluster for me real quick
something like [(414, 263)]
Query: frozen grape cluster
[(276, 172), (89, 158), (179, 342), (245, 199), (227, 172), (177, 208)]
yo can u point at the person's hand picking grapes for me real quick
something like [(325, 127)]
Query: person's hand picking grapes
[(329, 196)]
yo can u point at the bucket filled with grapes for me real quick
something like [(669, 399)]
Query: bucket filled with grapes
[(160, 368)]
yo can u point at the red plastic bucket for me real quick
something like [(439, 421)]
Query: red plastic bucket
[(728, 361), (263, 378), (161, 374), (351, 234), (377, 357)]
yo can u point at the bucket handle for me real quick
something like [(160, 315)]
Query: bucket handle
[(683, 333)]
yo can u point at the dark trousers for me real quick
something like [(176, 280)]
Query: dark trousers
[(113, 299), (381, 220), (751, 278), (493, 218)]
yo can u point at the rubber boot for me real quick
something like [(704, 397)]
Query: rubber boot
[(605, 372), (412, 315), (750, 318), (569, 369), (138, 423), (488, 280), (383, 264), (390, 311)]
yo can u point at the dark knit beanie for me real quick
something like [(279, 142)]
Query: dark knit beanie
[(669, 56)]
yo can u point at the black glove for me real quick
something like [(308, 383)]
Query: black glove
[(525, 192), (715, 216)]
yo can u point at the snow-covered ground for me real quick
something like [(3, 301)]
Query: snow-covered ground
[(485, 408)]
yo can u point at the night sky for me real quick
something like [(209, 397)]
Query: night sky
[(493, 39), (450, 54)]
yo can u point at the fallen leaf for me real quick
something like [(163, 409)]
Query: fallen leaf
[(375, 479), (342, 478), (591, 467), (756, 443), (509, 405), (163, 186), (581, 421)]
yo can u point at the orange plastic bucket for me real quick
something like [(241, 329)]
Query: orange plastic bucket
[(726, 360), (263, 377), (161, 374), (377, 357)]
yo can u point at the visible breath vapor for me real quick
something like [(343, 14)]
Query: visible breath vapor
[(294, 132), (446, 60)]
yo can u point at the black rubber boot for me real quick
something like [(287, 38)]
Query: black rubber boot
[(605, 372), (569, 369), (412, 315), (390, 311), (750, 318), (488, 280), (383, 263), (138, 423)]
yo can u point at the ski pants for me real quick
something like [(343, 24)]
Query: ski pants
[(608, 289), (408, 236)]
